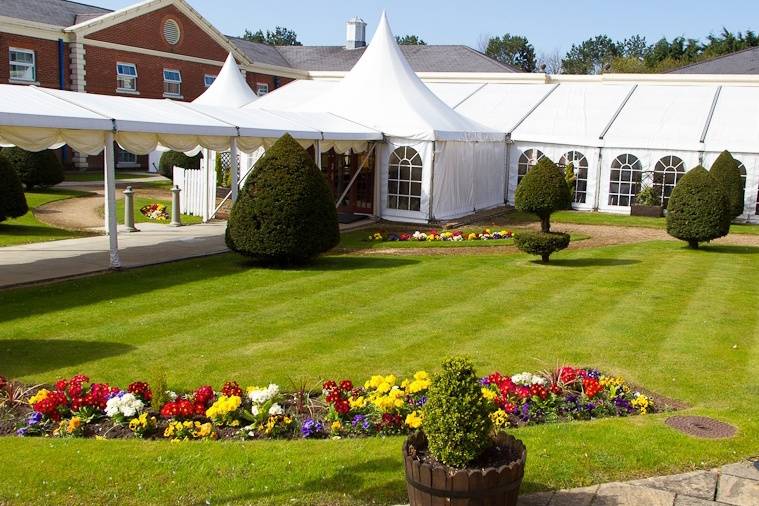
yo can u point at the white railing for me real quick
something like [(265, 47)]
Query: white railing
[(190, 181)]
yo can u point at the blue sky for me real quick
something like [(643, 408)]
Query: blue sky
[(549, 24)]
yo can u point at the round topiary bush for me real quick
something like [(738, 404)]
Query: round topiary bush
[(12, 199), (725, 170), (285, 213), (543, 244), (699, 209), (171, 159), (38, 169), (456, 416), (542, 191)]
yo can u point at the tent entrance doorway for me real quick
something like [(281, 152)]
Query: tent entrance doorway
[(340, 170)]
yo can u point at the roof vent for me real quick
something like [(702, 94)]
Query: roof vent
[(355, 33), (171, 32)]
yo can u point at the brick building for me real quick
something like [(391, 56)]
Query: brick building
[(165, 49)]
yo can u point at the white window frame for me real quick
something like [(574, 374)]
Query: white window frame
[(205, 80), (12, 63), (527, 160), (125, 158), (260, 87), (405, 187), (172, 82), (122, 77)]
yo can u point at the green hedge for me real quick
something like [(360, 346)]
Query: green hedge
[(35, 169), (171, 159), (543, 244), (12, 199), (725, 170)]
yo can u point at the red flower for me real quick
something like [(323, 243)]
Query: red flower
[(329, 385), (591, 386), (141, 390), (231, 388), (203, 396), (539, 391), (567, 374), (346, 385)]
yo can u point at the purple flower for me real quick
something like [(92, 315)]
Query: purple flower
[(422, 401), (34, 418), (22, 431), (362, 421), (312, 428)]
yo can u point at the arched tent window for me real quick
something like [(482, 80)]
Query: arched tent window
[(527, 160), (667, 172), (624, 180), (580, 164), (742, 168), (404, 182)]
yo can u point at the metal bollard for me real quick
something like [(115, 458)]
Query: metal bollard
[(129, 210), (176, 217)]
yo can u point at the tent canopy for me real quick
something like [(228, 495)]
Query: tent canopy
[(229, 89)]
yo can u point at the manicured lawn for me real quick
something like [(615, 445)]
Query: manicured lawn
[(27, 229), (682, 323), (83, 177), (139, 202)]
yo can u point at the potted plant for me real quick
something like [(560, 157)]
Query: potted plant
[(647, 203), (456, 457)]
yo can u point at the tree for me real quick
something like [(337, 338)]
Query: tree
[(171, 159), (513, 50), (725, 170), (281, 36), (698, 209), (286, 213), (410, 40), (591, 56), (35, 169), (550, 63), (12, 199)]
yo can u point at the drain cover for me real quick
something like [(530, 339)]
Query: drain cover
[(701, 426)]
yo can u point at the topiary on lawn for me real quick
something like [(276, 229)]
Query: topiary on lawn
[(35, 169), (456, 415), (171, 159), (542, 191), (285, 213), (725, 169), (12, 199), (542, 244), (699, 209)]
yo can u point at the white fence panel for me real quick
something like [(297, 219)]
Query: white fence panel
[(191, 183)]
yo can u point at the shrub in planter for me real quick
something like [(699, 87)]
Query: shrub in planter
[(458, 448), (35, 169), (647, 203), (12, 199), (285, 213), (542, 244), (542, 191), (725, 170), (699, 209), (171, 159)]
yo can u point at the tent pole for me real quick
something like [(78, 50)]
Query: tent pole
[(508, 170), (235, 168), (597, 196), (110, 202), (318, 154), (206, 169)]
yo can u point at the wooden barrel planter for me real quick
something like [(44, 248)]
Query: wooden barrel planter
[(650, 211), (438, 485)]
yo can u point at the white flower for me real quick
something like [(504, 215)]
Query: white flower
[(254, 410), (528, 379), (172, 395), (262, 395), (276, 409), (125, 404)]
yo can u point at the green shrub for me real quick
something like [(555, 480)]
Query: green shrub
[(171, 159), (571, 178), (38, 169), (542, 244), (699, 209), (542, 191), (12, 199), (648, 196), (456, 415), (725, 170), (285, 213)]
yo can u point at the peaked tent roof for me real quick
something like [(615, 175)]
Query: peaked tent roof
[(383, 92), (229, 89)]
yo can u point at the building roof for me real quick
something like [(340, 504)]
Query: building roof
[(745, 61), (259, 53), (52, 12)]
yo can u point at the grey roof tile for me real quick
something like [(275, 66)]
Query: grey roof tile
[(259, 53), (745, 61), (51, 12)]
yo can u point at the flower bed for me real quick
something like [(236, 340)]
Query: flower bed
[(157, 212), (446, 235), (383, 405)]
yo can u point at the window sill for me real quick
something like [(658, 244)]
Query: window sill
[(22, 81), (127, 92), (172, 96)]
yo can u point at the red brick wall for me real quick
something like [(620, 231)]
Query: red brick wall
[(254, 78), (147, 32), (46, 57)]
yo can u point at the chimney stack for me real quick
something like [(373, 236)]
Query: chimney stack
[(355, 33)]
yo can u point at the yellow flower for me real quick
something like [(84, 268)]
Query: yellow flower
[(488, 394), (421, 382), (414, 420), (74, 424), (39, 396), (642, 403), (336, 426), (499, 418), (471, 237), (358, 402)]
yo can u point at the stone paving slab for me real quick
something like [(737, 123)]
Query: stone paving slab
[(699, 484), (747, 469), (738, 491), (624, 494), (574, 497)]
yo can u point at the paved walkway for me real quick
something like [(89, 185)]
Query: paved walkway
[(733, 484)]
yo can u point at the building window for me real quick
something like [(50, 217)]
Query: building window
[(126, 77), (624, 180), (262, 89), (123, 156), (580, 165), (404, 182), (172, 83), (742, 168), (208, 80), (527, 160), (23, 65), (667, 172), (171, 32)]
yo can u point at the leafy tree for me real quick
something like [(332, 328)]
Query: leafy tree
[(725, 170), (590, 56), (281, 36), (410, 40), (12, 199), (698, 209), (35, 169), (286, 213), (513, 50)]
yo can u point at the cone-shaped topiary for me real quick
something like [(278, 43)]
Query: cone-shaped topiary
[(456, 416), (42, 168), (542, 191), (285, 214), (725, 169), (171, 159), (12, 199), (699, 209)]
